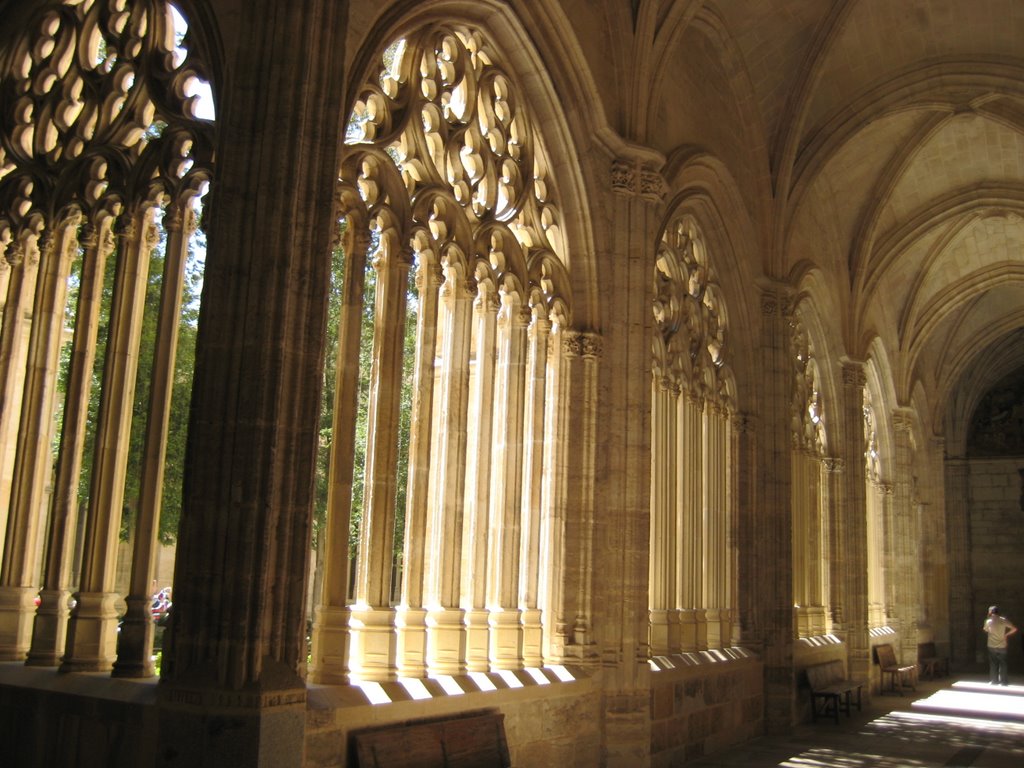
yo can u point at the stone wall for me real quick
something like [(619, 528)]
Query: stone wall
[(552, 723), (997, 532), (701, 704)]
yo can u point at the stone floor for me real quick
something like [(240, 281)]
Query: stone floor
[(960, 721)]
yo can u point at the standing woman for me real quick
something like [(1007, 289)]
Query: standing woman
[(998, 629)]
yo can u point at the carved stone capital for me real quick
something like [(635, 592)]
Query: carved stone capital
[(628, 177), (853, 373), (834, 464), (582, 344)]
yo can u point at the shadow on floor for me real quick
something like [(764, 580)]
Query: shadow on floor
[(954, 722)]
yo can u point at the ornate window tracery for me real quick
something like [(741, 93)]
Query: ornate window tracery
[(692, 594), (810, 521), (444, 176), (105, 154)]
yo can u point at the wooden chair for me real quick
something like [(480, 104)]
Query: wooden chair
[(898, 673), (830, 687), (930, 663)]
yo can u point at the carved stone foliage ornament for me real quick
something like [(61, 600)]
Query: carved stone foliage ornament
[(689, 317), (442, 151), (99, 107)]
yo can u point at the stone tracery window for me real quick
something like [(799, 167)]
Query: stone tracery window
[(693, 450), (444, 177), (809, 518), (103, 163)]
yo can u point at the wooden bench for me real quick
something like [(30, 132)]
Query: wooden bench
[(830, 687), (898, 673), (459, 742), (930, 663)]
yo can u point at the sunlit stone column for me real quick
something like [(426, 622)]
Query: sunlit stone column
[(476, 528), (50, 626), (31, 468), (330, 639), (664, 410), (411, 615), (690, 457), (374, 637), (135, 638), (581, 352), (506, 499), (23, 258), (534, 438), (92, 629), (554, 500), (446, 632)]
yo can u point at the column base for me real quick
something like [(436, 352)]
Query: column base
[(446, 641), (49, 629), (92, 632), (135, 641), (254, 727), (533, 638), (478, 643), (374, 650), (506, 639), (693, 630), (412, 641), (17, 612), (329, 665)]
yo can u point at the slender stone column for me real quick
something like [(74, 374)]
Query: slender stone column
[(663, 565), (19, 573), (690, 501), (906, 535), (831, 494), (411, 615), (92, 630), (135, 638), (232, 691), (23, 258), (958, 534), (506, 498), (374, 638), (716, 522), (534, 438), (475, 529), (50, 626), (330, 624), (554, 496), (446, 632), (851, 555)]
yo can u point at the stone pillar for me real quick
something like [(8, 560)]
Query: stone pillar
[(772, 614), (50, 626), (851, 553), (32, 464), (832, 489), (906, 536), (232, 691), (330, 623), (958, 533), (23, 258), (663, 565), (374, 646), (476, 527), (621, 505), (92, 629), (411, 615), (135, 639), (446, 632), (534, 438), (716, 519), (690, 502)]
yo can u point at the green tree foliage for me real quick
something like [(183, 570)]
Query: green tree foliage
[(184, 364)]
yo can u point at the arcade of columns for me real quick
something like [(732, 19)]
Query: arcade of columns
[(575, 497)]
